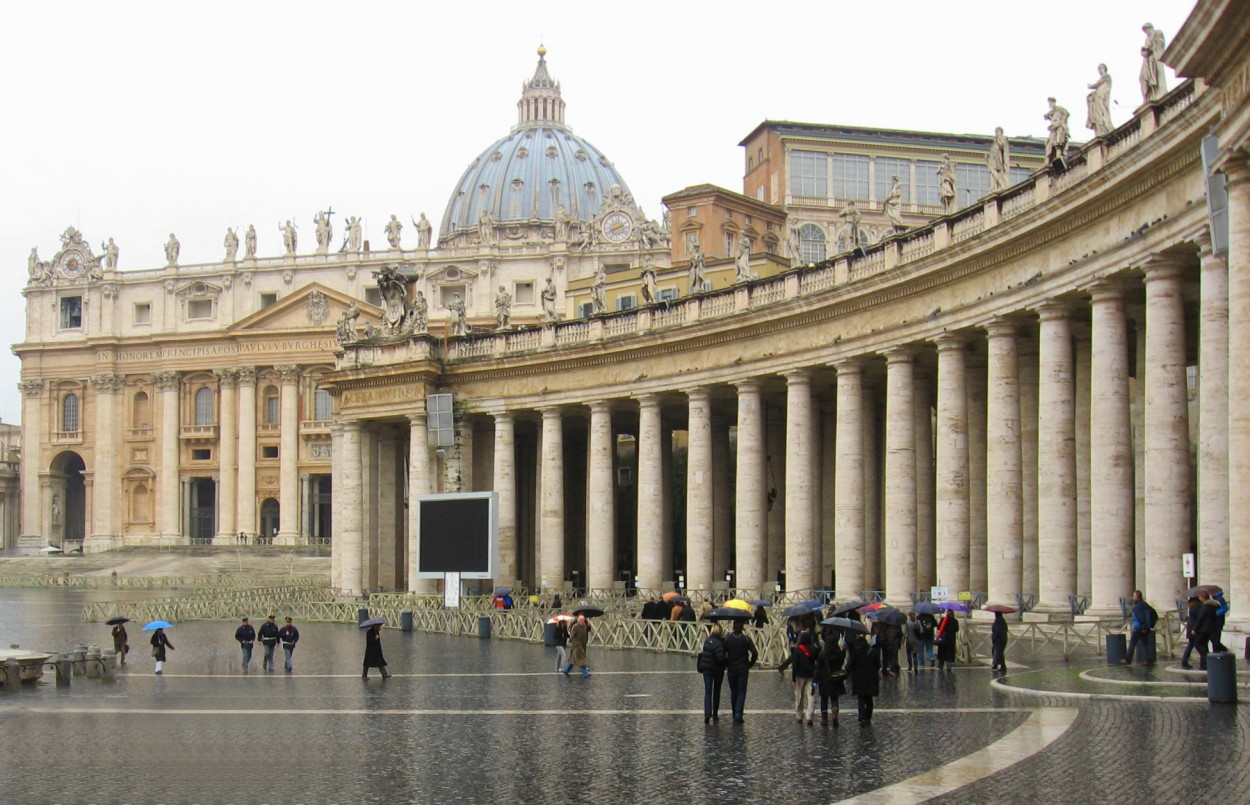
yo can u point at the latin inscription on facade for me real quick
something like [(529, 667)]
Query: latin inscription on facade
[(381, 395), (216, 350)]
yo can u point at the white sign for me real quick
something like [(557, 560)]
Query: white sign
[(939, 594), (451, 590), (1187, 565)]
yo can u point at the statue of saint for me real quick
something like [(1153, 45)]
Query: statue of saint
[(35, 268), (696, 274), (1098, 104), (232, 246), (346, 329), (485, 228), (393, 228), (420, 314), (893, 204), (549, 302), (742, 264), (110, 255), (423, 232), (249, 243), (562, 225), (1154, 83), (650, 293), (1057, 139), (794, 244), (352, 236), (172, 248), (598, 291), (946, 183), (998, 160), (851, 215), (290, 238), (55, 515), (503, 308), (459, 316), (325, 232)]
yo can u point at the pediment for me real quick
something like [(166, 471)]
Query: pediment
[(452, 273), (313, 307), (198, 290)]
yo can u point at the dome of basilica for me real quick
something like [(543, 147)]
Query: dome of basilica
[(539, 167)]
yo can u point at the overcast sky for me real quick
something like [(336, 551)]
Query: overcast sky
[(137, 119)]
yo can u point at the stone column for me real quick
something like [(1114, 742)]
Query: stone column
[(601, 505), (751, 490), (978, 564), (952, 462), (246, 521), (874, 577), (722, 506), (1028, 381), (1213, 421), (347, 515), (386, 525), (650, 493), (171, 521), (227, 457), (926, 547), (1082, 370), (666, 495), (338, 468), (800, 447), (1111, 453), (33, 403), (419, 478), (106, 504), (699, 491), (505, 487), (288, 453), (1056, 460), (827, 459), (1237, 170), (900, 477), (1167, 433), (775, 466), (848, 492), (1002, 461)]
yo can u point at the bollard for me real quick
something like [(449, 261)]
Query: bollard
[(64, 670), (483, 627), (79, 658), (362, 615), (1221, 677), (12, 675), (1248, 648), (549, 634), (405, 621), (108, 665), (93, 663), (1117, 648)]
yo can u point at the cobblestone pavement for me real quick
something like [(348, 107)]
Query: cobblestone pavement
[(472, 721)]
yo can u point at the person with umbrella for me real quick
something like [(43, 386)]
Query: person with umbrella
[(804, 654), (579, 636), (711, 663), (121, 641), (864, 668), (373, 648), (740, 655), (948, 631), (159, 644), (830, 671), (246, 635), (289, 636), (268, 640)]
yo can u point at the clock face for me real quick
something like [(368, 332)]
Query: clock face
[(617, 226), (71, 264)]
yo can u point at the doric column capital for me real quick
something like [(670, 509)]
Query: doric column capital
[(798, 377), (417, 419), (1235, 166), (31, 387), (600, 407), (952, 341), (551, 412), (288, 374), (167, 381), (227, 378), (352, 426), (852, 365), (1163, 267), (1054, 310), (899, 354), (648, 400), (502, 416), (246, 375), (1106, 290), (698, 394), (1001, 327)]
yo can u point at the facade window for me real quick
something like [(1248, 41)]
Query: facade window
[(927, 183), (272, 406), (69, 413), (143, 313), (585, 310), (850, 176), (141, 416), (373, 296), (323, 406), (524, 293), (1017, 175), (811, 243), (729, 244), (268, 298), (71, 313), (809, 173), (886, 169), (626, 302), (971, 183), (204, 407), (199, 308), (202, 454), (269, 451), (446, 292), (761, 156), (692, 240), (691, 211), (729, 215), (668, 294)]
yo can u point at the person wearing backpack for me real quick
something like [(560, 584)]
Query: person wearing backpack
[(711, 663), (1144, 619)]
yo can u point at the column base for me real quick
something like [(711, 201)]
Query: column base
[(1054, 611), (287, 538), (226, 539), (1100, 613)]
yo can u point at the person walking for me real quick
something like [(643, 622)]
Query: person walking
[(289, 636), (806, 650), (562, 643), (373, 652), (761, 617), (740, 655), (268, 640), (121, 642), (579, 636), (1144, 619), (864, 668), (1221, 612), (711, 663), (830, 672), (928, 631), (914, 632), (1191, 620), (246, 636), (998, 643), (947, 640), (1204, 618), (159, 645)]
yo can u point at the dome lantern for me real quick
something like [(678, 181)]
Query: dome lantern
[(540, 104)]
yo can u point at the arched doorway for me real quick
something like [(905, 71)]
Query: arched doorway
[(66, 515), (270, 510)]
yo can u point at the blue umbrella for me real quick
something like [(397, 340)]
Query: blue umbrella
[(760, 602), (816, 606), (154, 625)]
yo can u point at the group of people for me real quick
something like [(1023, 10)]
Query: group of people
[(270, 636), (1204, 626), (571, 642)]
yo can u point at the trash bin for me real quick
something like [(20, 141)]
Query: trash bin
[(483, 627), (1247, 649), (405, 621), (1221, 677), (1146, 649), (549, 634), (1117, 648), (362, 615)]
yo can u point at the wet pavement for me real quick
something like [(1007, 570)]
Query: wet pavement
[(475, 721)]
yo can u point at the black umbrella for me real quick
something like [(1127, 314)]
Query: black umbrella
[(760, 602), (894, 617), (589, 610), (850, 606), (799, 611), (373, 622), (845, 623), (728, 614), (116, 620), (929, 608)]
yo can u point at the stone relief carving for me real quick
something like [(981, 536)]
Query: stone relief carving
[(394, 290), (166, 379), (287, 373), (317, 308), (32, 387), (227, 378), (108, 383), (247, 374)]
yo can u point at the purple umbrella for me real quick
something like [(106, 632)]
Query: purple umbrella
[(953, 605)]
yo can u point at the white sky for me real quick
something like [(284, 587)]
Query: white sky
[(137, 119)]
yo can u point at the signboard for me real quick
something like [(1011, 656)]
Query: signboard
[(939, 594), (458, 533), (1187, 565), (451, 590)]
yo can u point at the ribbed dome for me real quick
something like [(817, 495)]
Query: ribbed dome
[(542, 164)]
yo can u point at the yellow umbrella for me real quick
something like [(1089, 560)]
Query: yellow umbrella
[(737, 603)]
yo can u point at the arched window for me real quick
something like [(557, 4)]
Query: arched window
[(273, 406), (323, 406), (844, 244), (69, 413), (139, 504), (140, 412), (204, 407), (811, 243)]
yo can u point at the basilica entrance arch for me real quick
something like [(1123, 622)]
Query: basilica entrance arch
[(270, 512), (65, 515)]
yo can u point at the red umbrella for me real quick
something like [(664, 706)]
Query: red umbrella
[(1003, 608)]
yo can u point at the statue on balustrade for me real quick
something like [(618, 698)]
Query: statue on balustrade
[(851, 216), (1057, 139), (324, 231), (1154, 83), (650, 291), (172, 248), (353, 236), (946, 183), (36, 269), (232, 245), (346, 328), (1098, 104), (423, 232), (419, 315), (893, 204), (998, 160), (696, 274), (794, 244), (393, 228), (549, 302), (459, 315), (598, 291), (742, 264), (503, 308), (249, 243), (110, 255), (290, 238)]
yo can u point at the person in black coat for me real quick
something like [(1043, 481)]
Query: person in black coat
[(804, 654), (864, 668), (268, 640), (740, 655), (761, 617), (159, 644), (373, 652), (998, 643), (948, 632), (289, 636), (246, 636), (830, 673), (711, 663)]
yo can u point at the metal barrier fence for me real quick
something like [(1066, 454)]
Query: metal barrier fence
[(225, 581), (208, 604)]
